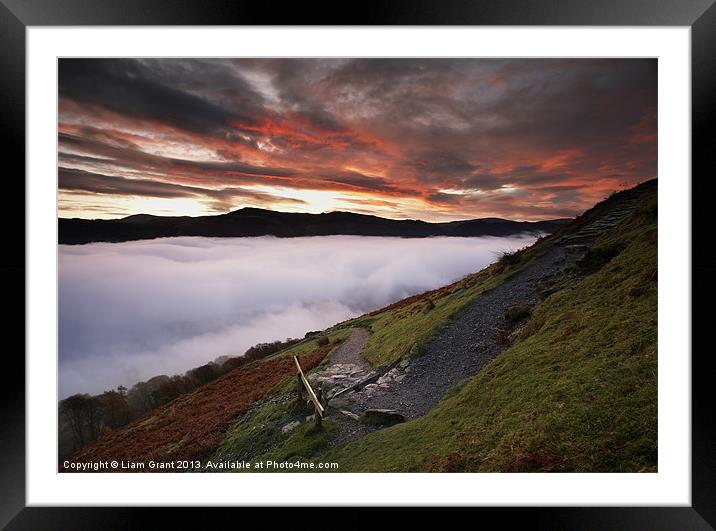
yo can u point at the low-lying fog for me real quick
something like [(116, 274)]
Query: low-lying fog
[(129, 311)]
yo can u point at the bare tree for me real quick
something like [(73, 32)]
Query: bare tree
[(83, 415)]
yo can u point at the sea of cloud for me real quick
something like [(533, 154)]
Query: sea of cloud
[(129, 311)]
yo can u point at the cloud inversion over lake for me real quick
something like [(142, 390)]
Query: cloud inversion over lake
[(130, 311)]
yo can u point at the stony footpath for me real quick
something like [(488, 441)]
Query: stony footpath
[(478, 334), (593, 230), (347, 367), (465, 345)]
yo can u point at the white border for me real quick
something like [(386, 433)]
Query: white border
[(670, 486)]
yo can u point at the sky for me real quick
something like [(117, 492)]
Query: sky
[(431, 139)]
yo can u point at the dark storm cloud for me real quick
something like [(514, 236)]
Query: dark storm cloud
[(290, 79), (553, 99), (440, 164), (149, 90), (555, 133), (93, 183), (79, 180), (444, 199), (358, 180)]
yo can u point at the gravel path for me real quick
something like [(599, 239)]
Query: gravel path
[(468, 341), (465, 345), (462, 347), (346, 368), (350, 353)]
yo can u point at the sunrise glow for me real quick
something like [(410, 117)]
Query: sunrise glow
[(434, 139)]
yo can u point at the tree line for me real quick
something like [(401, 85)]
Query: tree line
[(83, 417)]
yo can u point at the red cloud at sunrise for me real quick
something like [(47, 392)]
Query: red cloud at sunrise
[(433, 139)]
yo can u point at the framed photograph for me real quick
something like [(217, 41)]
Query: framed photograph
[(443, 253)]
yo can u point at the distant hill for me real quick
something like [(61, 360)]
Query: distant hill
[(259, 222)]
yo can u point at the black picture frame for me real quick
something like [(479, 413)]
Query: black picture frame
[(17, 15)]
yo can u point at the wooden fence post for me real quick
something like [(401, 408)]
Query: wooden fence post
[(317, 403), (299, 387), (319, 418)]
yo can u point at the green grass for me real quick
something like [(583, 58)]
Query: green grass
[(258, 437), (576, 393), (253, 434), (303, 443)]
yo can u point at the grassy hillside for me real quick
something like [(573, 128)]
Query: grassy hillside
[(577, 391)]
